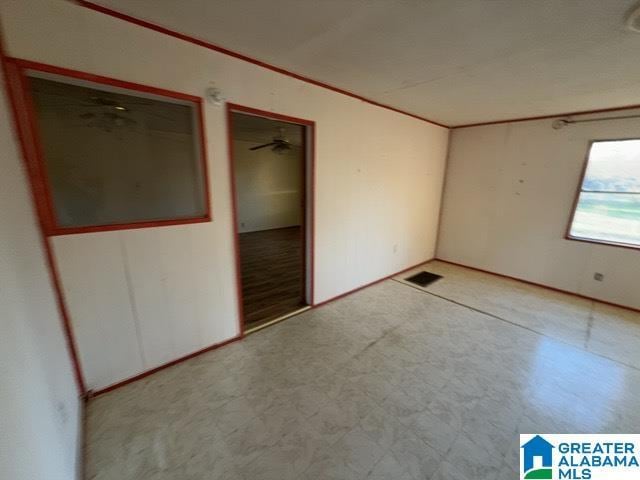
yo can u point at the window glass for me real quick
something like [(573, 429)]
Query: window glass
[(608, 207), (118, 158)]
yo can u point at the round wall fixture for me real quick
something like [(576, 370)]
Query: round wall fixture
[(633, 20), (559, 123), (214, 96)]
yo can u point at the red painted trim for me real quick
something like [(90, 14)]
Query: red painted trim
[(64, 313), (543, 117), (236, 338), (234, 217), (231, 53), (240, 56), (337, 297), (310, 130), (547, 287), (38, 170), (163, 366), (303, 215), (57, 231), (15, 93), (629, 246), (312, 214), (16, 84), (271, 115), (204, 161), (325, 302), (102, 80), (83, 438), (579, 190)]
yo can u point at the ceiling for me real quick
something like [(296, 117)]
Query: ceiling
[(250, 128), (452, 61)]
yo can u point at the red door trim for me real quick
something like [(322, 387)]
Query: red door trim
[(310, 152)]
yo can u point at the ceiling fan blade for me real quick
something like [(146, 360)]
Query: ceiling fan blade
[(263, 146)]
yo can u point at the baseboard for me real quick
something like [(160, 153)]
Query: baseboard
[(548, 287), (146, 373), (81, 446), (337, 297)]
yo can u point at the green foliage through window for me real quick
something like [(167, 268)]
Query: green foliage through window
[(608, 208)]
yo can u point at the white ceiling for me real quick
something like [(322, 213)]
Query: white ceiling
[(452, 61)]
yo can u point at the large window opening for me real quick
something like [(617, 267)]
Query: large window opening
[(117, 158), (608, 206)]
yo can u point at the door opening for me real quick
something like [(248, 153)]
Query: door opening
[(272, 184)]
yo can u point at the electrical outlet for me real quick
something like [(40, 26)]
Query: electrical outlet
[(598, 277), (395, 248)]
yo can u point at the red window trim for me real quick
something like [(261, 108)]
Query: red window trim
[(37, 170), (568, 235)]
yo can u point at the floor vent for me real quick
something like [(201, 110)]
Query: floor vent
[(423, 278)]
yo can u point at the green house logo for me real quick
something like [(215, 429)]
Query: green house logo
[(540, 448)]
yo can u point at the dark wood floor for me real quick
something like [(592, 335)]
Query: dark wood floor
[(272, 277)]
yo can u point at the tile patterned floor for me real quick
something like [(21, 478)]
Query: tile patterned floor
[(388, 383)]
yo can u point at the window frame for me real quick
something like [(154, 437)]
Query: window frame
[(17, 73), (579, 190)]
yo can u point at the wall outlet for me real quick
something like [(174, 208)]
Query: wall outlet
[(395, 248), (598, 277)]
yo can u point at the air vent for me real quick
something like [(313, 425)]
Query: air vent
[(633, 20), (423, 278)]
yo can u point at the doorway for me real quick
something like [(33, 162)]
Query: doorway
[(271, 165)]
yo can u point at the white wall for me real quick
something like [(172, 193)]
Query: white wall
[(39, 405), (508, 198), (269, 187), (142, 297)]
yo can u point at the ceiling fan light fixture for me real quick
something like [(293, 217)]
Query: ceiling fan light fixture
[(280, 148), (560, 123), (279, 144)]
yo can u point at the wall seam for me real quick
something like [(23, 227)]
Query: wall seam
[(132, 299)]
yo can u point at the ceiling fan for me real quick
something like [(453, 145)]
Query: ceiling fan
[(279, 143), (107, 114)]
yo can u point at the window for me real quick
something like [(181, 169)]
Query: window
[(608, 206), (113, 157)]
